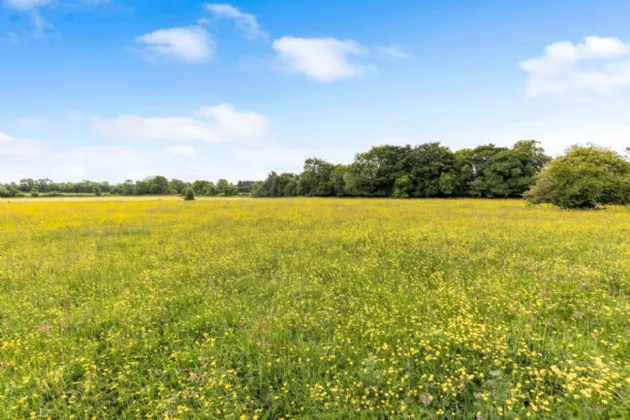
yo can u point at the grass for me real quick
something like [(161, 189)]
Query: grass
[(313, 308)]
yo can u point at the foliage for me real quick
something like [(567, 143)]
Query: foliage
[(403, 187), (4, 192), (585, 177), (189, 195), (426, 170), (313, 308), (34, 192), (97, 191), (315, 180)]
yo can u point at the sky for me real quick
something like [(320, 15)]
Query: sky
[(109, 90)]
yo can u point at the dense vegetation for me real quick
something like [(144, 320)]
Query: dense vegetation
[(426, 170), (313, 308), (586, 177), (156, 185)]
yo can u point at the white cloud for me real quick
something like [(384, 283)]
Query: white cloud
[(221, 123), (185, 152), (31, 158), (393, 53), (191, 44), (16, 146), (596, 66), (321, 59), (246, 22)]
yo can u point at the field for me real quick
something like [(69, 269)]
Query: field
[(313, 308)]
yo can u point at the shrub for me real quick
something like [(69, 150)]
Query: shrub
[(34, 193), (189, 194), (20, 195), (52, 194), (4, 193), (98, 192), (585, 177)]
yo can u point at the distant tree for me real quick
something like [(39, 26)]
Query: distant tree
[(26, 185), (97, 191), (475, 177), (201, 187), (425, 164), (142, 187), (290, 188), (255, 191), (231, 190), (189, 194), (585, 177), (245, 187), (337, 181), (158, 185), (128, 187), (34, 192), (403, 187), (211, 189), (377, 169), (447, 183), (177, 186), (222, 187), (4, 193), (512, 171), (287, 184), (315, 179)]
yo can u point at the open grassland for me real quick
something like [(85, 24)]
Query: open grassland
[(312, 307)]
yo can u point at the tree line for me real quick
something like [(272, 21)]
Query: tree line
[(156, 185), (426, 170), (585, 177)]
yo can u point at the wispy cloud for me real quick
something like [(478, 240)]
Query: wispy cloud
[(41, 27), (321, 59), (191, 44), (214, 124), (393, 53), (246, 22)]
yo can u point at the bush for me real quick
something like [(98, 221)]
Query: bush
[(189, 195), (20, 195), (98, 192), (4, 193), (586, 177), (52, 194), (34, 193)]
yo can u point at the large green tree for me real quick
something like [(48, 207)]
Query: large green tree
[(585, 177), (315, 179), (376, 170), (426, 164)]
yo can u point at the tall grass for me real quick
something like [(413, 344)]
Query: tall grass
[(314, 308)]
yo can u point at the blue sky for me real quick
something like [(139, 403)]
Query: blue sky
[(109, 90)]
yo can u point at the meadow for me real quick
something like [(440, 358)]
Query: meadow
[(312, 308)]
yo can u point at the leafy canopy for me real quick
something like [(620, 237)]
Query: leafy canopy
[(585, 177)]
